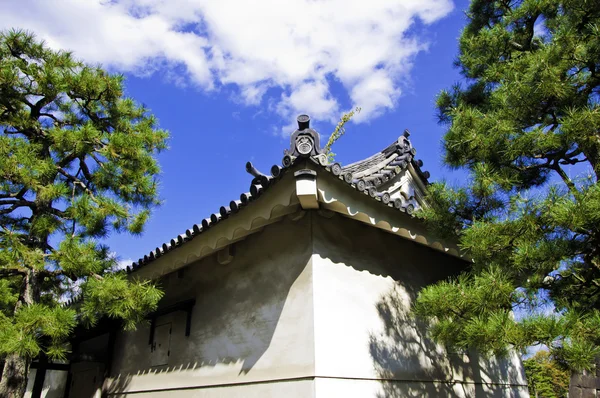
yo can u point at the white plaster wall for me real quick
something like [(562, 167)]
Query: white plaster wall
[(364, 282), (317, 298), (30, 381), (54, 383), (289, 388), (252, 323), (338, 388)]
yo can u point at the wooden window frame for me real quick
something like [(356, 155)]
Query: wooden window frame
[(186, 306)]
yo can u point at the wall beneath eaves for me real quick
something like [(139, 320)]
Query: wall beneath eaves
[(366, 345), (316, 307), (251, 331)]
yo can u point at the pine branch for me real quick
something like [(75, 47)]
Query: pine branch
[(58, 122), (19, 194), (37, 108), (8, 272), (66, 160), (77, 181), (16, 203), (98, 161), (85, 169), (28, 132), (556, 167)]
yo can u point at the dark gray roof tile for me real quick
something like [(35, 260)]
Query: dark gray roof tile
[(365, 175)]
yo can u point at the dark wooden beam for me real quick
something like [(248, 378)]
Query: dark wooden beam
[(40, 375), (50, 366)]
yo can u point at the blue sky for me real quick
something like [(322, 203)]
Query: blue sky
[(227, 80)]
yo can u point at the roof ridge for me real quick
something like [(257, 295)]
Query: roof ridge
[(305, 144)]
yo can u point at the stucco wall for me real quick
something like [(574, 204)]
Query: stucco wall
[(312, 307), (335, 387), (366, 344), (252, 323), (284, 388), (54, 384)]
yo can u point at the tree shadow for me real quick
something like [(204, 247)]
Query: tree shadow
[(405, 362), (411, 364), (254, 314), (239, 307)]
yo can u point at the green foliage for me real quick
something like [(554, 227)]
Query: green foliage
[(545, 376), (116, 297), (36, 323), (471, 294), (339, 131), (525, 121), (77, 161)]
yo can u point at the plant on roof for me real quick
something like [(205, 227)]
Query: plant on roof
[(338, 132), (525, 125), (77, 161)]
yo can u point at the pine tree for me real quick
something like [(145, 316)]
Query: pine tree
[(525, 125), (545, 376), (77, 161)]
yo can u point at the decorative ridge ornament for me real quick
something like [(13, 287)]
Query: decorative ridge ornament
[(378, 176), (304, 145), (303, 122), (304, 142)]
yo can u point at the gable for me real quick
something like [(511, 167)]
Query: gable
[(382, 190), (392, 175)]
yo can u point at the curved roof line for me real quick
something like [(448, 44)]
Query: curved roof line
[(368, 175)]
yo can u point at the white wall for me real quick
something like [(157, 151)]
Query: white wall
[(364, 283), (343, 388), (313, 307), (252, 321), (291, 388), (54, 383)]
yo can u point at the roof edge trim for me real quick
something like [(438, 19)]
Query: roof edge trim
[(281, 202)]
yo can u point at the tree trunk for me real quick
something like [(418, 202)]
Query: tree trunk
[(14, 377), (16, 368)]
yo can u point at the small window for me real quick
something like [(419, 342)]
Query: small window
[(160, 349)]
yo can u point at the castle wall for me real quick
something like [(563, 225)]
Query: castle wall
[(54, 384), (314, 307), (366, 344), (251, 329)]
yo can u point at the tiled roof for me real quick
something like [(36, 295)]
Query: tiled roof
[(375, 171), (372, 175), (399, 153)]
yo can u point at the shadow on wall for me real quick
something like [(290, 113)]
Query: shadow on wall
[(238, 309), (402, 352)]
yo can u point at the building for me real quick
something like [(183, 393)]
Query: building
[(585, 384), (302, 288)]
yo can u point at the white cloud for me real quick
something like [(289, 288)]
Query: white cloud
[(381, 91), (119, 262), (539, 28), (298, 46), (313, 97), (122, 264)]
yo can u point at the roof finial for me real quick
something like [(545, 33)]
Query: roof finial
[(303, 122), (406, 133)]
